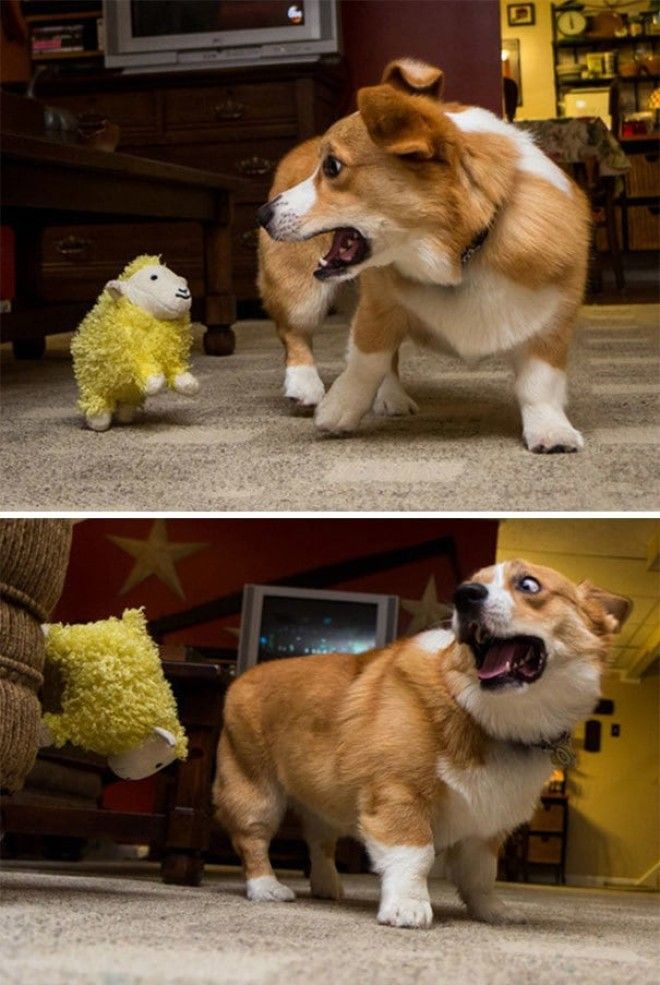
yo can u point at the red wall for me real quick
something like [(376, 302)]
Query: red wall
[(257, 550), (460, 37)]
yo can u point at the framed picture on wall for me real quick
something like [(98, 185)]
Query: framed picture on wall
[(521, 14), (511, 63)]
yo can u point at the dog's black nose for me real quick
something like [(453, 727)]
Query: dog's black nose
[(469, 595), (265, 214)]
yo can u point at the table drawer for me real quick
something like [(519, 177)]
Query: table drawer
[(254, 161), (139, 111), (644, 227), (75, 261), (644, 175), (548, 817), (229, 106), (544, 848)]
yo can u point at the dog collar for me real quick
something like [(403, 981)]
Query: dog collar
[(478, 241), (561, 750)]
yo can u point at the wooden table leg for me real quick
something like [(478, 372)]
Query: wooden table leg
[(219, 339), (188, 809)]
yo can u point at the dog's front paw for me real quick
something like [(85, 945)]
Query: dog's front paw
[(268, 889), (186, 384), (392, 400), (490, 909), (549, 433), (154, 384), (303, 385), (404, 911), (342, 408)]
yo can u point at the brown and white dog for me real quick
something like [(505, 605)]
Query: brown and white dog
[(464, 234), (437, 743)]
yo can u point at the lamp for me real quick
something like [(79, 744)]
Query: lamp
[(654, 104)]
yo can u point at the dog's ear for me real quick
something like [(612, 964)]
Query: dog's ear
[(404, 125), (416, 78), (616, 608)]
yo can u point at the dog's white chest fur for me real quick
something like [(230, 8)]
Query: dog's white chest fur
[(485, 314), (491, 799)]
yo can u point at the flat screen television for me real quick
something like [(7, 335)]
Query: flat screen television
[(281, 622), (152, 35)]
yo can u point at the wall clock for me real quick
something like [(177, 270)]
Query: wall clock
[(571, 23)]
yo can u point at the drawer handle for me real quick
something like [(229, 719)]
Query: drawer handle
[(255, 165), (73, 246), (250, 239), (229, 110)]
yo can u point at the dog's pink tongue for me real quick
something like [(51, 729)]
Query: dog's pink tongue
[(498, 660), (345, 246)]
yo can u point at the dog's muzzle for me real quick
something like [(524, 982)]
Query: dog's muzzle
[(501, 661)]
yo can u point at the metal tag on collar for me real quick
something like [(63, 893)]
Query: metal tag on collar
[(562, 754)]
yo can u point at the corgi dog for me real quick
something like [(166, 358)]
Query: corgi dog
[(438, 743), (465, 236)]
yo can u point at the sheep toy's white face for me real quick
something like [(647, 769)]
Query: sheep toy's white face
[(155, 289)]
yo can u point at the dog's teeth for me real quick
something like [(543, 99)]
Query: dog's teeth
[(323, 262)]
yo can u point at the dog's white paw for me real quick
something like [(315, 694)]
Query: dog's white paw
[(99, 422), (552, 441), (406, 911), (125, 413), (325, 882), (154, 384), (392, 400), (342, 408), (186, 384), (268, 889), (547, 431), (303, 385), (490, 909)]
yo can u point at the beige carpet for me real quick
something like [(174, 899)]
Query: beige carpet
[(239, 447), (108, 929)]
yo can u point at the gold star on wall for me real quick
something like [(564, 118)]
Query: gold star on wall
[(427, 611), (155, 556)]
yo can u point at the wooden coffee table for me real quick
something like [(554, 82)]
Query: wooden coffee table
[(46, 182)]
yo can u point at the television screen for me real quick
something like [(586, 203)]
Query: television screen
[(147, 35), (296, 627), (279, 622), (161, 17)]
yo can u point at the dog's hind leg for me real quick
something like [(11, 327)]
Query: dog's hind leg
[(472, 865), (324, 879), (540, 368), (391, 399), (250, 807)]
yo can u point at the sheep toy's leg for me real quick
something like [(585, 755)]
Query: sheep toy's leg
[(99, 422), (154, 383), (185, 383)]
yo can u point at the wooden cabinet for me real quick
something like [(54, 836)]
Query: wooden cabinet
[(234, 121), (539, 846)]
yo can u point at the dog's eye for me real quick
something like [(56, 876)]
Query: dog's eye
[(331, 166), (529, 585), (154, 277)]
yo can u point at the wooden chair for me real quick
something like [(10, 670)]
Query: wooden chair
[(178, 828)]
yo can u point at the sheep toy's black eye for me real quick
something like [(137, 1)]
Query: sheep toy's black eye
[(154, 277), (529, 585), (331, 166)]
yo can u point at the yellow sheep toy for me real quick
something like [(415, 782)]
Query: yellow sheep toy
[(115, 700), (135, 341)]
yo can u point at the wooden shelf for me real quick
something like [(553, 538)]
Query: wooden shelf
[(587, 42), (63, 55), (56, 18)]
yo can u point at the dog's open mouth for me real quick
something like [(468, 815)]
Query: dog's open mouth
[(349, 247), (513, 660)]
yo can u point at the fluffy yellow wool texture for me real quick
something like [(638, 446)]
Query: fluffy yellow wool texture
[(118, 345), (114, 691)]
